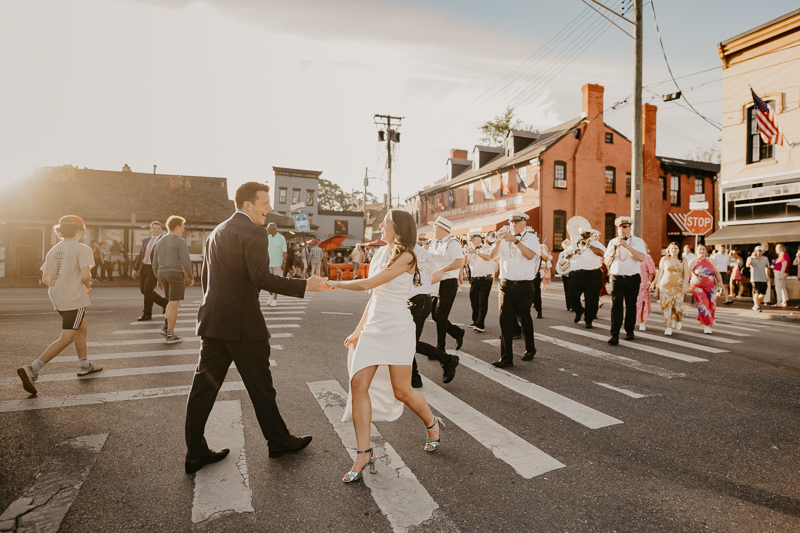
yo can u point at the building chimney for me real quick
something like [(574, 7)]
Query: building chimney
[(593, 102), (456, 153), (126, 168), (649, 130)]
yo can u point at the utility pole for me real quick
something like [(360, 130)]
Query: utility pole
[(391, 135), (366, 182), (637, 163)]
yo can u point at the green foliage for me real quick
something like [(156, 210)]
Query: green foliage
[(333, 198), (493, 132), (707, 155)]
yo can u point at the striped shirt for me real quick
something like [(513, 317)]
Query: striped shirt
[(316, 254)]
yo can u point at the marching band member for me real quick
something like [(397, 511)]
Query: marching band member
[(544, 257), (481, 267), (447, 254), (518, 251), (623, 258), (566, 243), (585, 276)]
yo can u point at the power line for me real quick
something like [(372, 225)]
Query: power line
[(685, 76)]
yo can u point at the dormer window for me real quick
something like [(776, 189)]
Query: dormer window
[(609, 138)]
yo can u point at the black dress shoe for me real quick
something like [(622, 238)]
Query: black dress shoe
[(518, 335), (629, 337), (460, 340), (193, 465), (613, 341), (416, 381), (144, 318), (529, 356), (450, 369), (578, 316), (292, 445), (502, 364), (539, 315), (589, 325)]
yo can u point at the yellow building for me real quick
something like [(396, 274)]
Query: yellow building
[(760, 182)]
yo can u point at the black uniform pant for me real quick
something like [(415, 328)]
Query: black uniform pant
[(516, 298), (479, 291), (565, 281), (420, 307), (147, 284), (448, 289), (537, 292), (624, 292), (588, 284), (252, 363)]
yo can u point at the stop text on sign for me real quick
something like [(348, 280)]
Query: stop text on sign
[(699, 222)]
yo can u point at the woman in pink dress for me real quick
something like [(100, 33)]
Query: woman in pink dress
[(704, 279), (643, 304)]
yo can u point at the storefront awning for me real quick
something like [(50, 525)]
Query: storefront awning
[(676, 224), (484, 223), (756, 233)]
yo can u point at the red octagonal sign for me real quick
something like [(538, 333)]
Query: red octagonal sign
[(699, 222)]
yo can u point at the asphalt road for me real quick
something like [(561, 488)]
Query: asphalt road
[(700, 433)]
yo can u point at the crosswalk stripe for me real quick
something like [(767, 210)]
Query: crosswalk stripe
[(161, 340), (578, 412), (626, 392), (56, 486), (34, 404), (637, 346), (334, 313), (715, 338), (676, 342), (223, 487), (394, 487), (617, 359), (124, 355), (525, 458), (265, 313), (194, 321), (695, 326), (140, 331)]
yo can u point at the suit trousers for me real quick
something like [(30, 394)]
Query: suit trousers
[(516, 298), (537, 292), (252, 363), (147, 285), (448, 289), (565, 281), (479, 291), (624, 292), (587, 283), (420, 307)]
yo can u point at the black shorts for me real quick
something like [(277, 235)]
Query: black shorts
[(726, 278), (72, 319), (174, 285), (760, 287)]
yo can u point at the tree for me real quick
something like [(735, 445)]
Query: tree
[(707, 155), (330, 196), (493, 132)]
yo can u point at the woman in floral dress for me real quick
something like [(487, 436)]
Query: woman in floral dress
[(643, 305), (705, 278), (669, 280)]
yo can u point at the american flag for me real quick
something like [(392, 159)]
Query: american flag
[(768, 124)]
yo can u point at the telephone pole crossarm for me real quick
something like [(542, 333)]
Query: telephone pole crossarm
[(379, 119)]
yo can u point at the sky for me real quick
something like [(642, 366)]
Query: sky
[(231, 88)]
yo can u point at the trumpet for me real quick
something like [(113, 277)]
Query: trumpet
[(503, 234), (491, 237)]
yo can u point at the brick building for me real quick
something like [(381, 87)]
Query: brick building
[(581, 167)]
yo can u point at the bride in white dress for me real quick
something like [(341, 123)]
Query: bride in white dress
[(381, 349)]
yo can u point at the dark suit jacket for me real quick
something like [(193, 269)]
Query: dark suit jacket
[(137, 265), (235, 269)]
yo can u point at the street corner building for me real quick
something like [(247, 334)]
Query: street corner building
[(115, 205), (760, 175), (581, 167)]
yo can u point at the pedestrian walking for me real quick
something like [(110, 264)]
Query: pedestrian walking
[(297, 266), (316, 254), (97, 261), (669, 281), (277, 257), (737, 279), (759, 276), (143, 269), (106, 266), (643, 301), (623, 257), (116, 258), (232, 328), (449, 259), (781, 268), (722, 262), (481, 267), (357, 258), (67, 273), (518, 250), (381, 349), (705, 279), (171, 266)]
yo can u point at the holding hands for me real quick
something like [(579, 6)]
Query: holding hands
[(317, 284)]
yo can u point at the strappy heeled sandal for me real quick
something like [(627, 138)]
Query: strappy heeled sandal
[(351, 476), (431, 445)]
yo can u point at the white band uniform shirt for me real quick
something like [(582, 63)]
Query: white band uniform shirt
[(426, 268), (624, 263), (63, 264), (444, 253), (588, 260), (513, 265), (479, 267)]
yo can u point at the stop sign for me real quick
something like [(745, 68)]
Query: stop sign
[(699, 222)]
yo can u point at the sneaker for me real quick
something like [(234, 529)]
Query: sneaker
[(707, 330), (173, 339), (678, 326), (668, 332), (273, 303), (269, 300), (85, 371), (163, 331), (755, 308), (28, 377), (642, 327), (479, 330)]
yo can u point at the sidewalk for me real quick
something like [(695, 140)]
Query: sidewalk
[(743, 307)]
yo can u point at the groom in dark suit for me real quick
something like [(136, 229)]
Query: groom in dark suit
[(235, 269)]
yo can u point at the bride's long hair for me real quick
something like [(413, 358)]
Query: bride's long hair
[(405, 237)]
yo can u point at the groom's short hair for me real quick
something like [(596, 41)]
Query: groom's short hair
[(248, 192)]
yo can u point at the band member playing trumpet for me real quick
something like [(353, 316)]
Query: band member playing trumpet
[(623, 257), (518, 251), (585, 274), (449, 259), (481, 267)]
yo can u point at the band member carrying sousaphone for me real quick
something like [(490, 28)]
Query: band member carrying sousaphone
[(582, 260)]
